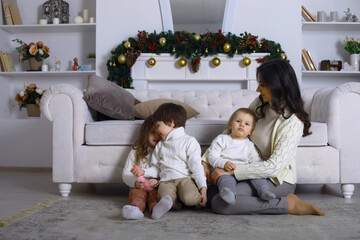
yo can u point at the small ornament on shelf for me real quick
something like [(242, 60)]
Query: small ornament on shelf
[(57, 65), (75, 65)]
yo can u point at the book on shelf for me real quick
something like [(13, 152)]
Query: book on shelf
[(307, 15), (312, 61), (308, 61), (15, 13), (7, 62), (7, 14), (305, 61)]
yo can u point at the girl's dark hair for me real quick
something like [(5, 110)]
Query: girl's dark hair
[(141, 144), (279, 76), (168, 112)]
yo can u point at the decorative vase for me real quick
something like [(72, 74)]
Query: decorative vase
[(355, 61), (35, 65), (33, 110)]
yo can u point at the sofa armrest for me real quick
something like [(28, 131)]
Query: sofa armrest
[(336, 106), (339, 108), (63, 104)]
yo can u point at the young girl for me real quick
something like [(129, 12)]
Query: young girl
[(141, 190)]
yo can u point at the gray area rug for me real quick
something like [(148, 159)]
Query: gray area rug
[(101, 219)]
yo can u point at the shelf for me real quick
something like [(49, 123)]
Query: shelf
[(326, 26), (49, 28), (50, 73), (331, 73)]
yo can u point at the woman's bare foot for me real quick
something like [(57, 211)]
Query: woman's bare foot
[(298, 207)]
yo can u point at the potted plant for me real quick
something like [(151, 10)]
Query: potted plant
[(30, 98), (35, 53), (352, 46)]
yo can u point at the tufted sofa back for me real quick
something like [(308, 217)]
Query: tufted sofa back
[(213, 104), (210, 104)]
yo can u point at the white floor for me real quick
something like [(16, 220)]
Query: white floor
[(23, 188)]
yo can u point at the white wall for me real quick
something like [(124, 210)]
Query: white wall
[(117, 20), (277, 20)]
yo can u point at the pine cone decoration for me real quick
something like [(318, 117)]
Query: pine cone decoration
[(219, 39), (130, 60), (195, 64), (142, 42)]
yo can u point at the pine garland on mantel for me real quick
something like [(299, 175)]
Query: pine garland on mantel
[(190, 46)]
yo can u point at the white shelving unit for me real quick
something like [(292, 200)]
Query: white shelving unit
[(325, 41), (66, 41)]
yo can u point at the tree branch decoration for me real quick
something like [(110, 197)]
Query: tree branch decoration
[(185, 45)]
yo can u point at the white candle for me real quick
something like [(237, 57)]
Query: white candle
[(42, 21), (86, 15), (56, 20)]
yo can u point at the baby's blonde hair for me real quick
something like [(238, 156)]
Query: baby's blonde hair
[(244, 110)]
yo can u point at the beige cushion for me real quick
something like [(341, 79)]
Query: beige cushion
[(145, 109), (109, 98)]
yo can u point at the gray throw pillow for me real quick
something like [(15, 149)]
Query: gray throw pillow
[(109, 99)]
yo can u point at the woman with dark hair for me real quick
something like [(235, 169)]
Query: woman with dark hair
[(282, 121)]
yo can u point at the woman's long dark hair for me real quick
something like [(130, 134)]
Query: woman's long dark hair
[(279, 76)]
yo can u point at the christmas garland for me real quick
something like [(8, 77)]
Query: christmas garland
[(185, 45)]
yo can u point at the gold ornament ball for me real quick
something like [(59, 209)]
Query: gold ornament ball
[(151, 62), (122, 59), (197, 37), (127, 44), (246, 61), (216, 61), (162, 41), (227, 47), (283, 56), (182, 62)]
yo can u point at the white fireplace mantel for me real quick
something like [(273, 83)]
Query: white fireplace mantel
[(231, 74)]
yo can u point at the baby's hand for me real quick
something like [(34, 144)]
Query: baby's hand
[(229, 166), (137, 171)]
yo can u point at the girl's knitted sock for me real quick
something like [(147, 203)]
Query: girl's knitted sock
[(132, 212), (162, 207), (227, 195)]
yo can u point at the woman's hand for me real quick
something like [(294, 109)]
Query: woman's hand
[(137, 171), (207, 170), (218, 172)]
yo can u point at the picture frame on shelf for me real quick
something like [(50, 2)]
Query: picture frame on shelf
[(56, 9)]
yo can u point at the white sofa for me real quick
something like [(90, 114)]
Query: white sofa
[(86, 151)]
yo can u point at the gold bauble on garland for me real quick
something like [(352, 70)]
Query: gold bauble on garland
[(127, 44), (151, 62), (216, 62), (246, 61), (283, 56), (227, 47), (162, 41), (122, 59), (197, 37), (182, 62)]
